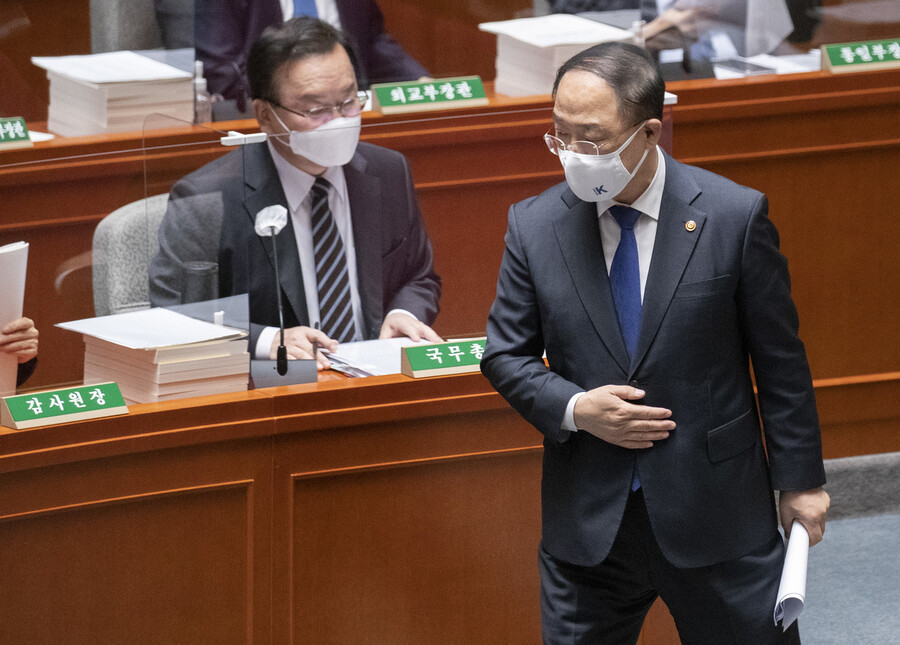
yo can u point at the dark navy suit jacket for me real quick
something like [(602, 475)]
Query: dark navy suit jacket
[(224, 31), (717, 296), (211, 216)]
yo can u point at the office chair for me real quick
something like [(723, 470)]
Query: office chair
[(124, 243)]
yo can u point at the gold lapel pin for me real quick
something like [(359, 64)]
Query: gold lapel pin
[(690, 225)]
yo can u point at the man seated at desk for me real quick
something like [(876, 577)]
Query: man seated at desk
[(354, 258)]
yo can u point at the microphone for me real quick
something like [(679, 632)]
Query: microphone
[(269, 223)]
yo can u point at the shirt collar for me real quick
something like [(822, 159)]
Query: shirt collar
[(650, 200), (297, 184)]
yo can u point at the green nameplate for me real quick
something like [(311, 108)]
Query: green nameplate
[(14, 133), (415, 96), (454, 357), (862, 56), (61, 406)]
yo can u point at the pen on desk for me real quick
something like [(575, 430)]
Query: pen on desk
[(316, 345)]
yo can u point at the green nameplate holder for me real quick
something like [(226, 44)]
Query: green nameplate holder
[(416, 96), (454, 357), (61, 406), (14, 133), (861, 56)]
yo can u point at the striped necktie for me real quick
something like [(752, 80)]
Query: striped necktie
[(332, 279)]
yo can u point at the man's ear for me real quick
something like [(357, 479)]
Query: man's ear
[(262, 110), (653, 130)]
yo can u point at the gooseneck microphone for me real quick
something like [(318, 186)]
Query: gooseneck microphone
[(269, 223)]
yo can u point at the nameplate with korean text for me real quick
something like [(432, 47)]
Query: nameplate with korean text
[(452, 357), (417, 96), (861, 56), (14, 133), (52, 407)]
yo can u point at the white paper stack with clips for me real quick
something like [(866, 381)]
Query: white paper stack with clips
[(158, 355), (530, 50), (113, 92)]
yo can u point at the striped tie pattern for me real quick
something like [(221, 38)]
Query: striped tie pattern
[(333, 283)]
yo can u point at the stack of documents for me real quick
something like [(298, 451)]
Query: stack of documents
[(530, 50), (113, 92), (158, 355)]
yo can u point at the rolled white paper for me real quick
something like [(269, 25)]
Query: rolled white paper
[(792, 589)]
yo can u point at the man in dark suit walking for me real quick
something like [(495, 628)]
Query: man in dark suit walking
[(651, 285), (353, 257)]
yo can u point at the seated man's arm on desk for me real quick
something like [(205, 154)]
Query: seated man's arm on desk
[(411, 288)]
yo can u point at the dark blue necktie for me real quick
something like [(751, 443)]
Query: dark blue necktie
[(625, 279), (305, 8)]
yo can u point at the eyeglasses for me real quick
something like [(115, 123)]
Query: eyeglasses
[(348, 107), (555, 144)]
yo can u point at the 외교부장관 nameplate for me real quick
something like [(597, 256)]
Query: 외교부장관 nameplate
[(453, 357), (418, 96), (52, 407)]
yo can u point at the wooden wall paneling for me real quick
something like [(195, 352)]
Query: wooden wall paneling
[(49, 28), (411, 517), (154, 547)]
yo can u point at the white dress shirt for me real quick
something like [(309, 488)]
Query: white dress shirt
[(645, 236), (297, 185)]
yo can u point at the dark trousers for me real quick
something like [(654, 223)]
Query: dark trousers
[(723, 604)]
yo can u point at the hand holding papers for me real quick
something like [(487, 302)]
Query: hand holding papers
[(792, 590), (13, 262)]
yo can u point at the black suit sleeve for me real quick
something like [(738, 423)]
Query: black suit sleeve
[(513, 361), (410, 281), (771, 330), (25, 371)]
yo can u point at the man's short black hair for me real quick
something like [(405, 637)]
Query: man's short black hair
[(290, 41), (632, 74)]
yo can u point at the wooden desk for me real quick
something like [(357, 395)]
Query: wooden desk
[(383, 510)]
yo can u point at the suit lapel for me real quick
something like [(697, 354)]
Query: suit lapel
[(263, 188), (364, 195), (578, 233), (672, 250)]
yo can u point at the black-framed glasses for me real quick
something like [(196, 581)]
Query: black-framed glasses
[(348, 107)]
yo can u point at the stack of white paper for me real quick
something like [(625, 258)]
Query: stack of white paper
[(530, 50), (157, 355), (113, 92)]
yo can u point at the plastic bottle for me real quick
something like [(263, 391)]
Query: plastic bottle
[(202, 97)]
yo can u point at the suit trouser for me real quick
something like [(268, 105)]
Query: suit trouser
[(722, 604)]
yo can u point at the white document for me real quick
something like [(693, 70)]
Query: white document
[(370, 357), (151, 329), (792, 590), (109, 67), (556, 29), (13, 265)]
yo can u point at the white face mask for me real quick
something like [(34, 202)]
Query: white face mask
[(331, 144), (598, 178)]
